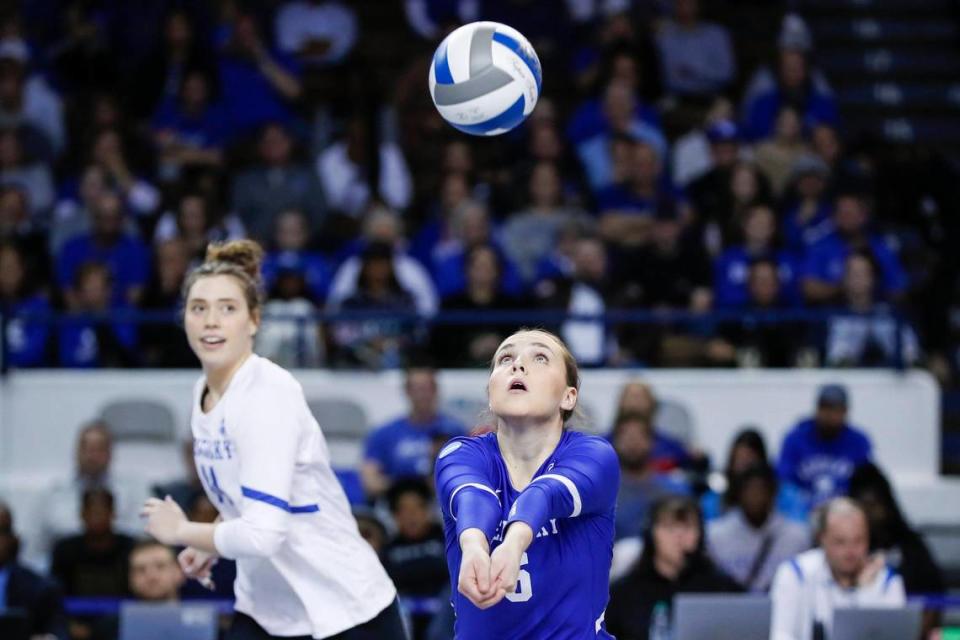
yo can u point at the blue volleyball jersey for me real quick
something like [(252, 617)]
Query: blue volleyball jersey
[(563, 586)]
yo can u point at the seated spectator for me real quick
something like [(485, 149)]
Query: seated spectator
[(641, 484), (197, 222), (276, 183), (188, 488), (371, 529), (126, 257), (794, 84), (587, 290), (902, 547), (317, 32), (826, 260), (89, 336), (697, 56), (597, 153), (627, 207), (840, 573), (17, 227), (190, 130), (291, 250), (473, 344), (456, 192), (668, 453), (751, 340), (26, 340), (158, 79), (33, 177), (673, 561), (61, 504), (415, 557), (758, 242), (155, 576), (22, 589), (95, 561), (669, 272), (529, 235), (383, 226), (690, 154), (28, 101), (293, 338), (776, 155), (109, 152), (430, 19), (747, 449), (73, 213), (621, 62), (162, 344), (402, 448), (751, 540), (807, 217), (819, 454), (258, 85), (865, 333), (470, 227), (710, 192), (345, 169), (375, 342)]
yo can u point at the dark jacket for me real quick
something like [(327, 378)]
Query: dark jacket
[(39, 598)]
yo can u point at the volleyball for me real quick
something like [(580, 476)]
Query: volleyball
[(485, 78)]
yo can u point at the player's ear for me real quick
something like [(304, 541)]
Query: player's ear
[(569, 399)]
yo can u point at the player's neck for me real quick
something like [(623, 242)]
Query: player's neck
[(525, 448), (219, 379)]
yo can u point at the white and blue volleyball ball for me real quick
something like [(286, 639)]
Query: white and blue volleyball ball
[(485, 78)]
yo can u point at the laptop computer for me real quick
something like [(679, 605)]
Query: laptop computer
[(146, 621), (876, 624), (721, 617)]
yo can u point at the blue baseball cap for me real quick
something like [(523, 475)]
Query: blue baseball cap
[(833, 395), (723, 131)]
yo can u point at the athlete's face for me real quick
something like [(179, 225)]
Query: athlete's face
[(528, 382), (219, 325)]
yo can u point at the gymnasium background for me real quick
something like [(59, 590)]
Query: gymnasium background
[(680, 210)]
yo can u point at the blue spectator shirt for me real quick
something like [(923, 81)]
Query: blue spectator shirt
[(128, 260), (819, 468), (732, 269), (27, 339), (403, 449), (316, 269), (826, 261)]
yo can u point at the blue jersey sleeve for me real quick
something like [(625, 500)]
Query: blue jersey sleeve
[(584, 481), (465, 487)]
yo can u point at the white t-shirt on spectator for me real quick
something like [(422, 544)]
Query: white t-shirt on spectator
[(804, 592), (299, 22)]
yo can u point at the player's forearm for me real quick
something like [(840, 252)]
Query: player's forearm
[(198, 535), (519, 536)]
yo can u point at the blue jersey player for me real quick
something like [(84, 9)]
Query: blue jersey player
[(528, 510)]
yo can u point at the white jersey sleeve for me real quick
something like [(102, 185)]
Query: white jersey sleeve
[(267, 438)]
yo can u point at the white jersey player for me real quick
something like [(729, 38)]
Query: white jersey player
[(303, 571)]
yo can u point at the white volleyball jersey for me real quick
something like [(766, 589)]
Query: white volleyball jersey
[(263, 460)]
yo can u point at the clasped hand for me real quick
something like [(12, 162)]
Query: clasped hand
[(486, 578)]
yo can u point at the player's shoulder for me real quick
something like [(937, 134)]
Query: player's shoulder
[(577, 442), (462, 447), (269, 376)]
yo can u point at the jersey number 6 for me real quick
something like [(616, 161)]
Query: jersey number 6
[(524, 589)]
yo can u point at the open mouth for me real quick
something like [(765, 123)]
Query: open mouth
[(517, 385), (212, 341)]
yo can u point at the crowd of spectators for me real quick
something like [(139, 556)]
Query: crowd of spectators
[(658, 173), (752, 524)]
